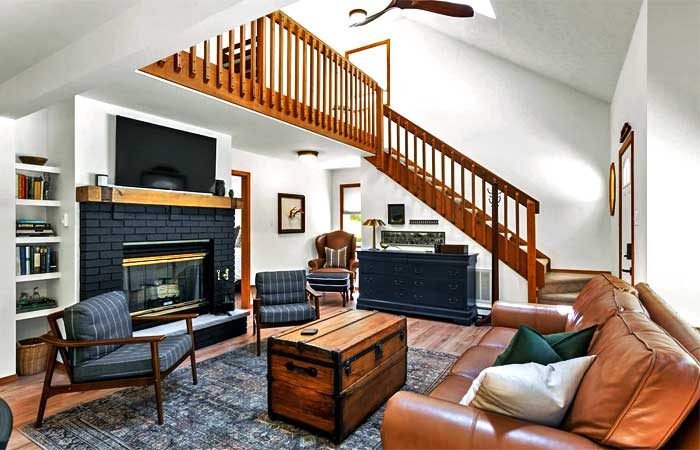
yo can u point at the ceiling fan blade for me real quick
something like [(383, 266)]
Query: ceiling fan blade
[(441, 7), (371, 18)]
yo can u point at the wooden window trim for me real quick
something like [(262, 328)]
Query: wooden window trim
[(342, 198)]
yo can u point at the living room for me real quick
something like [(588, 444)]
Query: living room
[(574, 114)]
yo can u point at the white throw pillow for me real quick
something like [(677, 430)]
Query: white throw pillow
[(532, 392)]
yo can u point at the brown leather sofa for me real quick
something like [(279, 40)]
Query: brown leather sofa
[(336, 240), (641, 391)]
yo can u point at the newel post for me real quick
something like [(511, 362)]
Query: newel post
[(531, 253)]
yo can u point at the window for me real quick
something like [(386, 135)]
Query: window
[(351, 210)]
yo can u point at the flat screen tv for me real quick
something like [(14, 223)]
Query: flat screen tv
[(153, 156)]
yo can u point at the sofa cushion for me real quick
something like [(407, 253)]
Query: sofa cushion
[(474, 360), (498, 337), (639, 389), (291, 312), (599, 300), (452, 388), (282, 287), (105, 316), (528, 346)]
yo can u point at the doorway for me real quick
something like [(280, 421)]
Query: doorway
[(242, 269), (626, 210), (351, 210)]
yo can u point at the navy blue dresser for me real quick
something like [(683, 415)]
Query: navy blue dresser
[(421, 283)]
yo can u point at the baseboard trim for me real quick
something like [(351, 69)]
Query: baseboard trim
[(581, 271), (8, 379)]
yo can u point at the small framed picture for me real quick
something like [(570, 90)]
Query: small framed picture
[(101, 179), (397, 214), (291, 209)]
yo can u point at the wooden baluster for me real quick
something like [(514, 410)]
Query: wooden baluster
[(261, 72), (324, 88), (505, 222), (517, 231), (356, 110), (405, 180), (379, 123), (483, 209), (443, 198), (303, 76), (346, 103), (296, 71), (274, 93), (353, 100), (365, 128), (463, 205), (280, 70), (207, 67), (312, 77), (433, 173), (495, 257), (241, 60), (334, 128), (453, 190), (424, 184), (531, 254), (287, 105), (415, 163), (193, 61), (473, 170), (219, 60), (177, 61), (253, 60), (389, 127), (317, 120)]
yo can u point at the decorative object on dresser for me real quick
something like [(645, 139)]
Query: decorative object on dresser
[(336, 240), (332, 381), (282, 299), (396, 214), (458, 249), (423, 222), (374, 223), (413, 238), (427, 284), (100, 351), (291, 213)]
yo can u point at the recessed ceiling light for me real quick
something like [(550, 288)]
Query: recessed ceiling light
[(307, 156)]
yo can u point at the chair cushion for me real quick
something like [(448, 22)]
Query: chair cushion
[(329, 281), (133, 360), (105, 316), (294, 312), (280, 288), (336, 258)]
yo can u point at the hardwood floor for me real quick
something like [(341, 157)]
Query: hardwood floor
[(23, 394)]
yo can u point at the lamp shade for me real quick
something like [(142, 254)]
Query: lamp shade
[(374, 223)]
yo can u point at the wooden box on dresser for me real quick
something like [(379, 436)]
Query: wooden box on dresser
[(422, 283), (333, 380)]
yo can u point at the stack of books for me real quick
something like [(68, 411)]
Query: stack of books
[(33, 228), (32, 188), (33, 259)]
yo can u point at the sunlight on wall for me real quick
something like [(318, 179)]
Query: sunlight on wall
[(572, 179)]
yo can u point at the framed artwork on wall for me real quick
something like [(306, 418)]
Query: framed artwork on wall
[(396, 214), (291, 211)]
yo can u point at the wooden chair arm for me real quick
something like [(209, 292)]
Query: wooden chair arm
[(51, 340), (169, 317), (311, 291)]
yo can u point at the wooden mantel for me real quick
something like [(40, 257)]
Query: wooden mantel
[(99, 194)]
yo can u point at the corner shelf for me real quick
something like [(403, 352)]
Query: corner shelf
[(37, 168), (37, 277), (38, 240), (38, 313), (49, 203)]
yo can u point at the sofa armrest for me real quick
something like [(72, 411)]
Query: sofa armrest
[(317, 263), (546, 319), (414, 421)]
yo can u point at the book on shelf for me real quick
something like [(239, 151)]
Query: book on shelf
[(33, 188), (33, 259), (33, 228)]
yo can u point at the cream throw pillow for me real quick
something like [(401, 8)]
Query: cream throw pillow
[(532, 392)]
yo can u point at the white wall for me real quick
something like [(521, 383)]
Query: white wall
[(629, 105), (7, 247), (270, 176), (673, 152)]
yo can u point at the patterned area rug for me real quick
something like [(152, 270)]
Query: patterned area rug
[(226, 410)]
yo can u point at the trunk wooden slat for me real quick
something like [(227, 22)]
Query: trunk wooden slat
[(333, 380)]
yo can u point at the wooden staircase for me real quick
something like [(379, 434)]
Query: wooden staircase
[(461, 190)]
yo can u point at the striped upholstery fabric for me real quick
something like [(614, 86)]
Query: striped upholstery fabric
[(329, 281), (336, 258), (105, 316), (281, 288), (293, 312), (133, 360)]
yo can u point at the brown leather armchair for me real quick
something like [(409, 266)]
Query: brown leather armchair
[(336, 240)]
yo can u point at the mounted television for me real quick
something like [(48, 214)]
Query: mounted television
[(153, 156)]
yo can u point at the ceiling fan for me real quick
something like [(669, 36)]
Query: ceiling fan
[(434, 6)]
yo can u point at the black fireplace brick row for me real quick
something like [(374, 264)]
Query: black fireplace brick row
[(105, 227)]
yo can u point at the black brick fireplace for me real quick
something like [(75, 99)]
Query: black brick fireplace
[(108, 230)]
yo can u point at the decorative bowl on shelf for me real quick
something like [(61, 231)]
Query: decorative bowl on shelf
[(35, 160)]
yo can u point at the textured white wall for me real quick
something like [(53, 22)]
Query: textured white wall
[(7, 247)]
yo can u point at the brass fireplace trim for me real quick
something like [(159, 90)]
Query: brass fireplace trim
[(162, 310), (150, 260)]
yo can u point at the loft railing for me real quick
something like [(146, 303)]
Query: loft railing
[(461, 190), (276, 67)]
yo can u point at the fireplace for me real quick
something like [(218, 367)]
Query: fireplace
[(167, 277)]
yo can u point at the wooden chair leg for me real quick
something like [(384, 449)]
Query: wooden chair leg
[(47, 386), (194, 366), (155, 361), (258, 340)]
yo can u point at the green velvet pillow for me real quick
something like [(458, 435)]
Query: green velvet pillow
[(528, 345)]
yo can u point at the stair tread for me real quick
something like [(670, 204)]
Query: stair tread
[(564, 282), (566, 298)]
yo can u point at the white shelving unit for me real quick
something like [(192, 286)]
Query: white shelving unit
[(37, 240), (35, 314), (38, 277), (39, 203), (36, 168)]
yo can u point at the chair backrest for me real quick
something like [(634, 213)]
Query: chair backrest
[(105, 316), (280, 288), (336, 240)]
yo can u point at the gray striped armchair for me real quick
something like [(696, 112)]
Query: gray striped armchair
[(283, 299), (100, 351)]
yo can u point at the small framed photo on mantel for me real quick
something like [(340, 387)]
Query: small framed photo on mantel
[(291, 211)]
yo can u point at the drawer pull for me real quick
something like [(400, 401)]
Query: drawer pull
[(311, 371), (418, 283), (399, 282), (453, 286)]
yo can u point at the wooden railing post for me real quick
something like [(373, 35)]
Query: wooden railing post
[(531, 254), (494, 243), (379, 127)]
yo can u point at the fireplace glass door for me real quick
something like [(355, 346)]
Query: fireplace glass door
[(164, 283)]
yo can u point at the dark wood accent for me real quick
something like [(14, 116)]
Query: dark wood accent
[(245, 236), (441, 286), (332, 381), (97, 194), (581, 271), (8, 379), (342, 198), (59, 345), (280, 213), (627, 144)]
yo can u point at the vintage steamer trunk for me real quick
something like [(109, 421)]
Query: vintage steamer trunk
[(332, 381)]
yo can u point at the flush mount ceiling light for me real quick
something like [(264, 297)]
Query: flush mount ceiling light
[(357, 15), (307, 156)]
